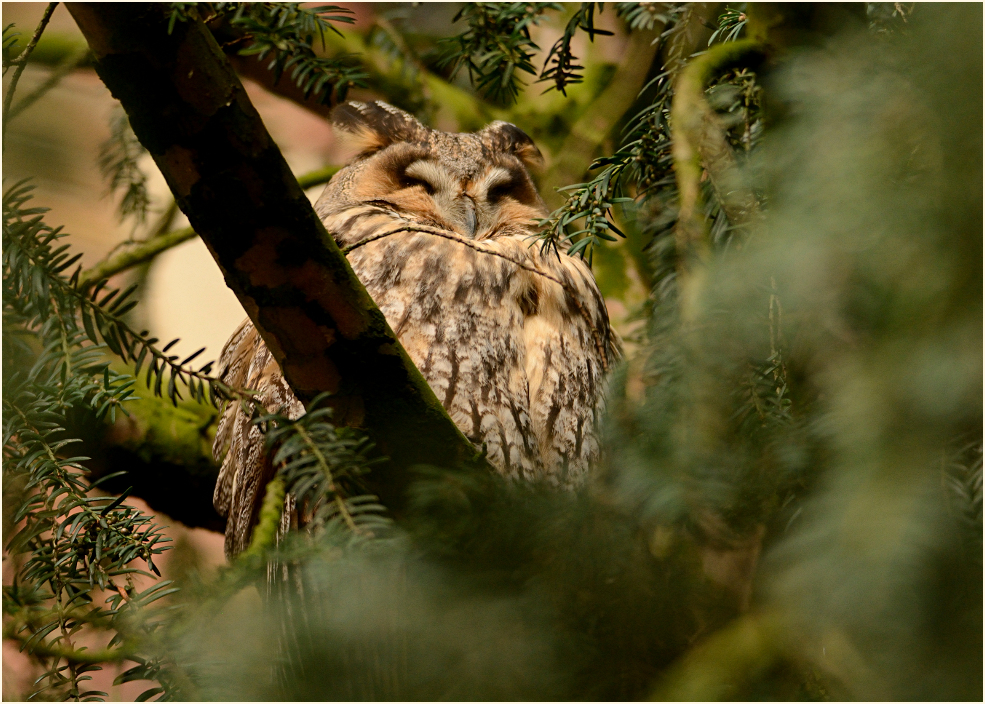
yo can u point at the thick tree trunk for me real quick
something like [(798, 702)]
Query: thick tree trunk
[(188, 108)]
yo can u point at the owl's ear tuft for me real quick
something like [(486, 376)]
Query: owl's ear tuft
[(374, 126), (506, 137)]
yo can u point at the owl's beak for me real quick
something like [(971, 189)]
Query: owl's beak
[(470, 221)]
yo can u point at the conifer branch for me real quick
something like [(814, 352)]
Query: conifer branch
[(560, 67), (81, 656), (600, 117)]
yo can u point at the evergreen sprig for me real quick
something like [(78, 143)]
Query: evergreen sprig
[(32, 264), (287, 34), (730, 25), (641, 169), (560, 66), (963, 475), (496, 47), (889, 18), (644, 161), (644, 15)]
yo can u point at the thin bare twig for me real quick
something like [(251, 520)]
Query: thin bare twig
[(20, 62), (69, 64)]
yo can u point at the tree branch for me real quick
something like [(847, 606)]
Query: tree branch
[(698, 136), (470, 112), (188, 108), (142, 252), (166, 452), (730, 658), (55, 47), (383, 77), (79, 656)]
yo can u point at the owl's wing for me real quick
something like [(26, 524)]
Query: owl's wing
[(246, 363), (569, 348)]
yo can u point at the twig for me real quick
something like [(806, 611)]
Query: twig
[(143, 252), (315, 178), (69, 64), (71, 655), (21, 63), (146, 250)]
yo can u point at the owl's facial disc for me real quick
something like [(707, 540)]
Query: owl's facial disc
[(447, 190), (434, 185), (474, 205)]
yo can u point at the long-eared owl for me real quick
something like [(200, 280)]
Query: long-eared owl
[(514, 342)]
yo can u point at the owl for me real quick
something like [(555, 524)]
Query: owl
[(514, 342)]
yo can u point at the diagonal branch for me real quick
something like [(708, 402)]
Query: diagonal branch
[(589, 132), (191, 112)]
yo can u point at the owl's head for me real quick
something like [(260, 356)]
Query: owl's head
[(477, 185)]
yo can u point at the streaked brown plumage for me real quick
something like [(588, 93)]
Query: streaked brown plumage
[(514, 343)]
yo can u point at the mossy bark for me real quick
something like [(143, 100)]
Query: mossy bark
[(188, 108), (165, 452)]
